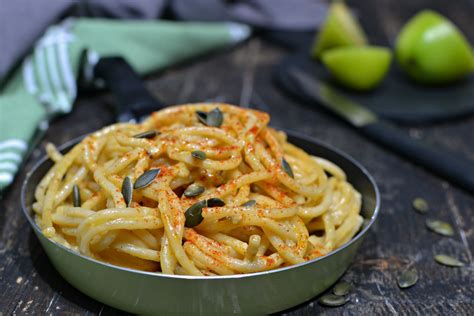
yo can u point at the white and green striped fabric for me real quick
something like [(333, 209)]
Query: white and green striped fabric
[(49, 72), (45, 84), (11, 152)]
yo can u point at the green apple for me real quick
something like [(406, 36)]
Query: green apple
[(472, 60), (340, 29), (433, 50), (359, 68)]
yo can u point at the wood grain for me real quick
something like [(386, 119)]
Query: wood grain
[(30, 285)]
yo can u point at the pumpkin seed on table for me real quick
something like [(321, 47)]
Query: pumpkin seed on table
[(198, 154), (286, 167), (342, 288), (193, 214), (448, 261), (407, 279), (193, 190), (420, 205), (147, 134), (333, 300), (127, 191), (76, 196), (249, 203), (440, 227)]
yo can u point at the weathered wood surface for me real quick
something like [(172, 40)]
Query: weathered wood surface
[(29, 284)]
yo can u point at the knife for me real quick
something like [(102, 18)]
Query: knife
[(457, 170), (134, 100)]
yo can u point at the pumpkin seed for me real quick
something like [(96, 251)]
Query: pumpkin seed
[(199, 154), (202, 117), (448, 261), (193, 214), (249, 203), (76, 196), (407, 279), (420, 205), (333, 300), (286, 167), (342, 288), (193, 190), (146, 178), (213, 202), (127, 191), (147, 134), (215, 118), (440, 227)]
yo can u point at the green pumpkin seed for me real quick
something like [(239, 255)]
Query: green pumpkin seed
[(286, 167), (421, 205), (147, 134), (333, 300), (127, 191), (249, 203), (76, 196), (440, 227), (202, 117), (193, 214), (193, 190), (213, 202), (215, 118), (448, 261), (146, 178), (342, 288), (199, 154), (407, 279)]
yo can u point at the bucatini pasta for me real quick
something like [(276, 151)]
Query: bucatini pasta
[(198, 189)]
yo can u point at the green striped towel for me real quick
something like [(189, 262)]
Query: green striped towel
[(45, 84)]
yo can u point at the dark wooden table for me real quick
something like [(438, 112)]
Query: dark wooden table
[(29, 284)]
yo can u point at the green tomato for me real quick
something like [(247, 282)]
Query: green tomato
[(432, 50), (340, 29), (359, 68)]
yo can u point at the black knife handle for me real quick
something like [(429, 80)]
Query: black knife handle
[(133, 98), (445, 164)]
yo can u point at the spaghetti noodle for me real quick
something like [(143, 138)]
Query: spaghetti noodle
[(199, 189)]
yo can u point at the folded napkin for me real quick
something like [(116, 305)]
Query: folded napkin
[(45, 85)]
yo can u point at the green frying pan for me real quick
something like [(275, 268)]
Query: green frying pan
[(149, 293)]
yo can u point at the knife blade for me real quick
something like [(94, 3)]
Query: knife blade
[(352, 112), (456, 169)]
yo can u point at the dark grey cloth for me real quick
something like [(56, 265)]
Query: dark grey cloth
[(124, 9), (284, 15), (23, 21)]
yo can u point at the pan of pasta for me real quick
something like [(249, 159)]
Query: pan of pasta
[(200, 209)]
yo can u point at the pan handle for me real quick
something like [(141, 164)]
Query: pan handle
[(133, 98)]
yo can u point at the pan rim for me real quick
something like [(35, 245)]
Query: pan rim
[(360, 234)]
